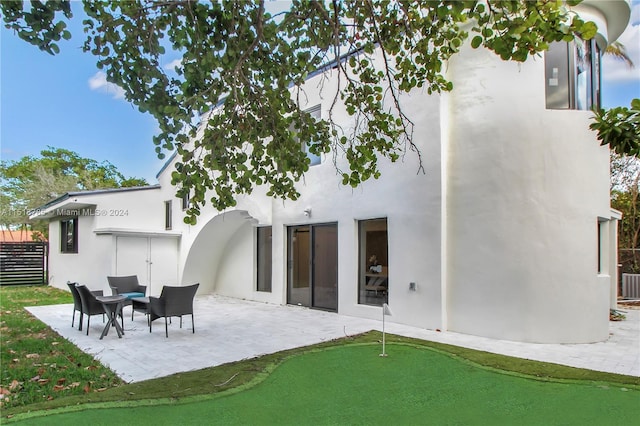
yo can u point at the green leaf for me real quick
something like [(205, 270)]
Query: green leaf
[(476, 42), (588, 30)]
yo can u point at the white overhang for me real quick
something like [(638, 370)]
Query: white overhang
[(616, 214), (66, 208), (615, 12), (128, 232)]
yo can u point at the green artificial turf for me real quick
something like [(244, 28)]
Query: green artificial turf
[(352, 385)]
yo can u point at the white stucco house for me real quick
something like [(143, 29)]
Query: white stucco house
[(509, 234)]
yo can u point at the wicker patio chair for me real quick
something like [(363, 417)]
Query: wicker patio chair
[(173, 302), (90, 305), (77, 302), (127, 286)]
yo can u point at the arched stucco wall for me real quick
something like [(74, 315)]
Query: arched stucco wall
[(526, 188), (236, 270), (208, 250)]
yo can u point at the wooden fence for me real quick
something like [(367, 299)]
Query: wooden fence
[(24, 263)]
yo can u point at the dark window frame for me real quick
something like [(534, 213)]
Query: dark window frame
[(186, 201), (573, 75), (373, 263), (69, 237), (168, 215), (264, 253)]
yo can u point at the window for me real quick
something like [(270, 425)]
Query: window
[(599, 247), (317, 115), (603, 245), (264, 259), (572, 75), (185, 201), (373, 262), (167, 215), (69, 235)]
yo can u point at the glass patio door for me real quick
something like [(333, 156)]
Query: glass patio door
[(312, 276)]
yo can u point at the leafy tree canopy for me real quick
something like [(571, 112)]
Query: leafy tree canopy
[(625, 197), (249, 66), (32, 181), (619, 128)]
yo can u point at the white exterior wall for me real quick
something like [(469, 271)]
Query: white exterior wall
[(219, 252), (409, 200), (526, 188), (81, 267)]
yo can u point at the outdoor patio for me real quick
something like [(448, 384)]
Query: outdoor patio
[(228, 329)]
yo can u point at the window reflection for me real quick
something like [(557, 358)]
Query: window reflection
[(374, 260)]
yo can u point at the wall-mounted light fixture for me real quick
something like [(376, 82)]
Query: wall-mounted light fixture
[(307, 212)]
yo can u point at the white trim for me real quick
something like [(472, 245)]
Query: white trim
[(616, 214)]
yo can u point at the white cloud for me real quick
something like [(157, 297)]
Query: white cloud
[(99, 82), (618, 70), (176, 63)]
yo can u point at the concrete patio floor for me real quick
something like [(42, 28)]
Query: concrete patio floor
[(230, 329)]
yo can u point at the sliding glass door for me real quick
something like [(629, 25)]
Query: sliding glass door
[(312, 276), (299, 262)]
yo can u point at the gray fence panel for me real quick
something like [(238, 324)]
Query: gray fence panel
[(631, 286)]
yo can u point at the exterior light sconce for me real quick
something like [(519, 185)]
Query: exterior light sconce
[(307, 212)]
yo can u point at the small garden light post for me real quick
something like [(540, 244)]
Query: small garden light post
[(385, 311)]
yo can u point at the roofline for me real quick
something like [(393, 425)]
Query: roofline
[(94, 192), (166, 163)]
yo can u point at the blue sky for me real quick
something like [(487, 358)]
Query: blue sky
[(65, 102)]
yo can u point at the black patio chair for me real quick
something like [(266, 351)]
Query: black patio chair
[(77, 302), (173, 302), (90, 305), (127, 286)]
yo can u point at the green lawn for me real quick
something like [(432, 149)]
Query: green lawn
[(351, 384), (36, 363), (336, 382)]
